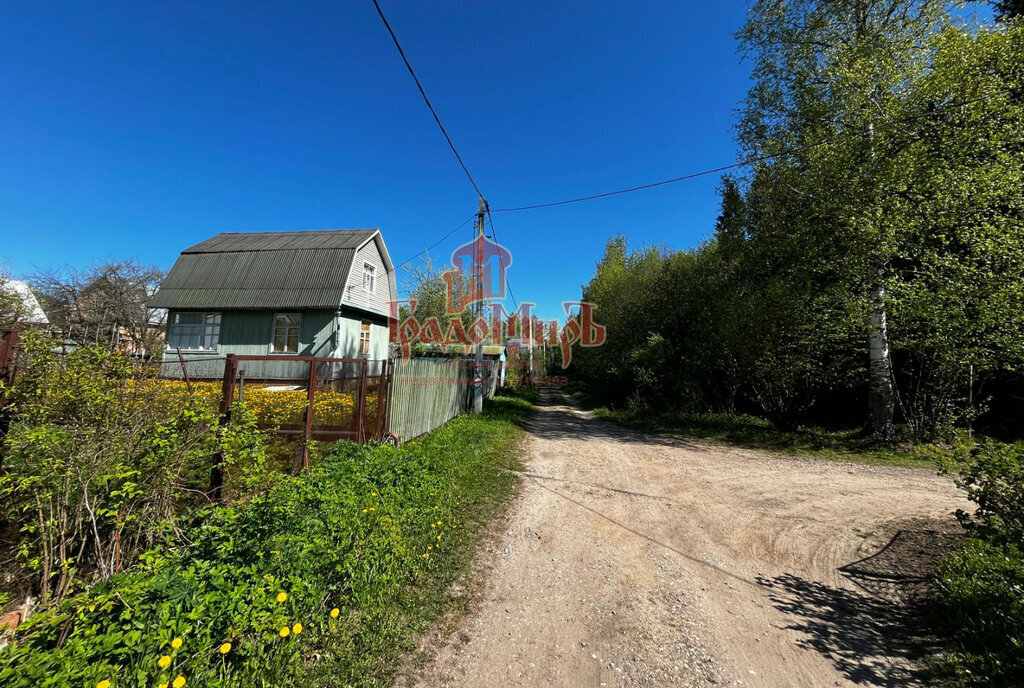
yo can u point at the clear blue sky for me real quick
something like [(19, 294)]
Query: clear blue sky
[(133, 129)]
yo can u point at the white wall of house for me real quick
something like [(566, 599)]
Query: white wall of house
[(356, 294)]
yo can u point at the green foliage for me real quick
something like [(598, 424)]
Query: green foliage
[(982, 603), (376, 532), (982, 583), (992, 475), (96, 470), (891, 184)]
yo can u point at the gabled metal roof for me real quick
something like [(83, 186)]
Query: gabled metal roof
[(263, 270)]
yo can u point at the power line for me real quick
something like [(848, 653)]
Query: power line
[(652, 185), (468, 220), (743, 163), (426, 99), (508, 283)]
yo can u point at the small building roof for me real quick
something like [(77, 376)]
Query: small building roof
[(265, 270), (33, 312)]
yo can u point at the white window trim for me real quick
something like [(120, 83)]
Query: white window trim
[(273, 333), (369, 267)]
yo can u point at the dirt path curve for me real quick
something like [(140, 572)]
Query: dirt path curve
[(632, 560)]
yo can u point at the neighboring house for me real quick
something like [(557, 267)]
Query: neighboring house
[(29, 312), (313, 293)]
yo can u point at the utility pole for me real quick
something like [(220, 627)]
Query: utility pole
[(478, 391)]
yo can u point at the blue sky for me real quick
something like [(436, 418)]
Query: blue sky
[(133, 129)]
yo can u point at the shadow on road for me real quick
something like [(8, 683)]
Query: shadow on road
[(863, 631), (558, 417)]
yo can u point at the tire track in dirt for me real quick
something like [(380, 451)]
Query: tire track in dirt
[(637, 560)]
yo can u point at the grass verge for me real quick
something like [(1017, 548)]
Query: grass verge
[(322, 580), (757, 433)]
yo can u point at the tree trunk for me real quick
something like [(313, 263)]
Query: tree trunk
[(880, 392)]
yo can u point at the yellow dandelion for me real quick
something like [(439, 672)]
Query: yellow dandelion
[(373, 494), (433, 525), (424, 555), (103, 684), (335, 612), (225, 648), (178, 682), (176, 643), (373, 508), (297, 628), (439, 538), (439, 523), (436, 508), (430, 547), (284, 631), (282, 596), (162, 685), (365, 510), (164, 662)]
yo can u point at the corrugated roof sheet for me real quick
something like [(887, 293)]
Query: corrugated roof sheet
[(263, 270)]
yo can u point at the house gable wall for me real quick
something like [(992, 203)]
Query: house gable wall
[(355, 295)]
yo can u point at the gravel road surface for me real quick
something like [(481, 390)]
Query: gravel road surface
[(637, 560)]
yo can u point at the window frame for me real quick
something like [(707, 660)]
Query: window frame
[(287, 327), (365, 327), (206, 327), (370, 270)]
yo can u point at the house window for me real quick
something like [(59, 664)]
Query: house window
[(364, 339), (369, 277), (286, 333), (194, 331)]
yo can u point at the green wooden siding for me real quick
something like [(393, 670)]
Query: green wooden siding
[(428, 392), (250, 333)]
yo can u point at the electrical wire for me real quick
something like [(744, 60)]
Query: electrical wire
[(426, 99), (742, 163), (652, 185), (442, 239), (508, 283)]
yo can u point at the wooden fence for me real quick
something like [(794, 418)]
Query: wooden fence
[(428, 392)]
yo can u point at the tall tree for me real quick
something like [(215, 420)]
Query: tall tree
[(830, 79)]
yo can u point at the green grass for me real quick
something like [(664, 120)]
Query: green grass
[(757, 433), (981, 606), (350, 534)]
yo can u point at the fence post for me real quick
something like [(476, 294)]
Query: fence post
[(227, 396), (389, 366), (361, 422), (310, 391), (381, 391)]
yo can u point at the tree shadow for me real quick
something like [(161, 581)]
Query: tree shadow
[(878, 635), (558, 416)]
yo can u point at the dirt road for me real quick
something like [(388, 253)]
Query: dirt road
[(632, 560)]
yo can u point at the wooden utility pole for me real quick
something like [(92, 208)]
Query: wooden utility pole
[(478, 380)]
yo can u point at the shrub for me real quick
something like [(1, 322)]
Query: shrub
[(992, 474), (982, 584), (377, 533), (96, 470)]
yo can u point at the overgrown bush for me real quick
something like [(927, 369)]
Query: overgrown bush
[(992, 475), (982, 583), (96, 469), (318, 580)]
